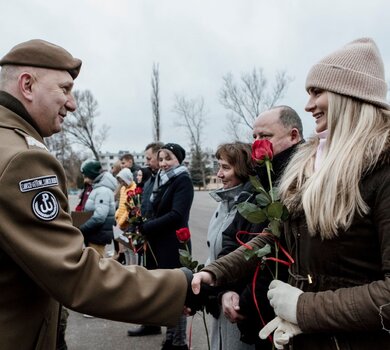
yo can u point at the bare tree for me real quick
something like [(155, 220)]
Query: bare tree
[(60, 146), (249, 97), (80, 126), (192, 118), (155, 99)]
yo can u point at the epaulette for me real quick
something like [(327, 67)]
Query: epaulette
[(32, 143)]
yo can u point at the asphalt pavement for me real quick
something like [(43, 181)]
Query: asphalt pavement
[(94, 333)]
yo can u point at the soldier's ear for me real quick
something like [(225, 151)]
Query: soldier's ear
[(25, 83)]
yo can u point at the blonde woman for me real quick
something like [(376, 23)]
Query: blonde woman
[(337, 189)]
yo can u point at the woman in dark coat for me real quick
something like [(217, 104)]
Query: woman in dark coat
[(171, 199)]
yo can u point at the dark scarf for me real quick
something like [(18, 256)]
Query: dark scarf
[(13, 104)]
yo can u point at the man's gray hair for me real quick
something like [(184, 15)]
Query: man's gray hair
[(290, 118)]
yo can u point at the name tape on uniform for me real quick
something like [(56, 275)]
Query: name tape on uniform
[(38, 182)]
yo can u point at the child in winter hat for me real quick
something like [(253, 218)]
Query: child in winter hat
[(126, 176)]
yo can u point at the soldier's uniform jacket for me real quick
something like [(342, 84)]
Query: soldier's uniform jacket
[(42, 262)]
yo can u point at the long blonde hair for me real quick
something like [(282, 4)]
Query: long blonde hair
[(357, 135)]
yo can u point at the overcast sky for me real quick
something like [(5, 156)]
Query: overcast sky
[(195, 43)]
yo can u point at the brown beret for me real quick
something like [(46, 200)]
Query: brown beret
[(40, 53)]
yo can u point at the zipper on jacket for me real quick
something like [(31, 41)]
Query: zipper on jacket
[(336, 342)]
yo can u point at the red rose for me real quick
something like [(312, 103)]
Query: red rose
[(262, 150), (130, 194), (183, 234), (138, 190)]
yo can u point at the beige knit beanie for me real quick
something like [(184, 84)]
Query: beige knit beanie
[(355, 70)]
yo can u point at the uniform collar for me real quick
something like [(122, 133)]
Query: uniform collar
[(13, 104)]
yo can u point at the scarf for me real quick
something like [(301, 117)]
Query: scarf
[(163, 177), (320, 149)]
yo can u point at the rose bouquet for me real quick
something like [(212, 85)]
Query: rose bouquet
[(132, 237)]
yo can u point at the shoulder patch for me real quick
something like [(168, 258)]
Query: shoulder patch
[(38, 182), (33, 143), (45, 206)]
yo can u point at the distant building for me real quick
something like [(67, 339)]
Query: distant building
[(108, 159)]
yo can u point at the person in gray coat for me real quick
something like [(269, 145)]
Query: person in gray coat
[(97, 230), (235, 166)]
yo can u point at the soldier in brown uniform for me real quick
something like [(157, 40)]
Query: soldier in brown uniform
[(42, 261)]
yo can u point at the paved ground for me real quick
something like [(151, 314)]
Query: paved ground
[(93, 333)]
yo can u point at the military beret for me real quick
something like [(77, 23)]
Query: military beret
[(40, 53)]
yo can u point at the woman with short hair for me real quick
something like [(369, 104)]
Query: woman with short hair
[(234, 167)]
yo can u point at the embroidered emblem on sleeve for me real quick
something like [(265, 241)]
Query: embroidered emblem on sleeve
[(45, 206), (38, 182)]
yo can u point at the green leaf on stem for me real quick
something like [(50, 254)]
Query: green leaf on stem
[(199, 267), (274, 225), (256, 183), (275, 193), (275, 210), (251, 212), (185, 262), (193, 265), (249, 253), (185, 253), (285, 213), (263, 251), (263, 199)]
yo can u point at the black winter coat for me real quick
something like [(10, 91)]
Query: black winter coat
[(171, 211)]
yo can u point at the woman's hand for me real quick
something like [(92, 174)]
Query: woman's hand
[(231, 307)]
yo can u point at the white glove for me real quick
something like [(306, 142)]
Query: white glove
[(284, 299), (284, 331)]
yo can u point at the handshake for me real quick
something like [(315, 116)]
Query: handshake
[(201, 295), (283, 298)]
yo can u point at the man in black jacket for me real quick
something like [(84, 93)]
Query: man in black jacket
[(151, 151), (282, 126)]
